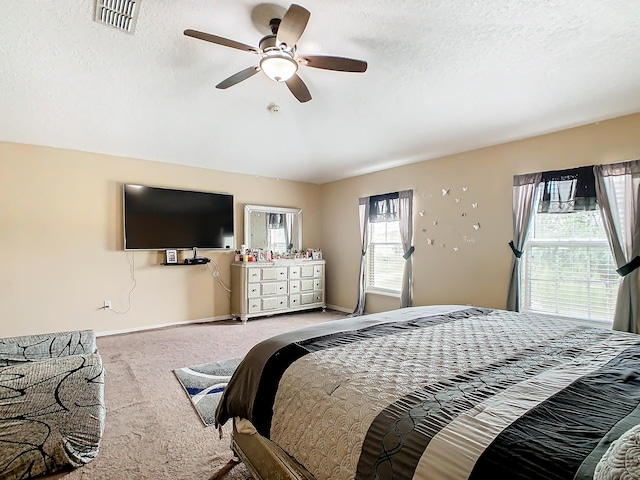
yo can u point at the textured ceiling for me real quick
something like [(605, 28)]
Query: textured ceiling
[(443, 77)]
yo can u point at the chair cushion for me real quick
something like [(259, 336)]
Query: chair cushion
[(52, 414), (44, 346)]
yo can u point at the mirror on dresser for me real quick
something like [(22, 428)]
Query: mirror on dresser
[(277, 229)]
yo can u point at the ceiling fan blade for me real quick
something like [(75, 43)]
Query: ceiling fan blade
[(298, 88), (208, 37), (238, 77), (292, 25), (341, 64)]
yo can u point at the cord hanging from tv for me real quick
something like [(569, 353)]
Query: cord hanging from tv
[(158, 218)]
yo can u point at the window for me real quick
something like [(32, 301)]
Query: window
[(385, 262), (568, 268), (384, 259), (277, 240)]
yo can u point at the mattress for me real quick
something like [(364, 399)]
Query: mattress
[(446, 392)]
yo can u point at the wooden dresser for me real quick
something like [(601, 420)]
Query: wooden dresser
[(268, 288)]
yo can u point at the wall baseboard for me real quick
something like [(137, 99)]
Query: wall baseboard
[(165, 325), (340, 309), (187, 322)]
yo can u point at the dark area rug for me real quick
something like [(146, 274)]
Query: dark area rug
[(205, 383)]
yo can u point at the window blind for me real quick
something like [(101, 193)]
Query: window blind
[(384, 261), (568, 267)]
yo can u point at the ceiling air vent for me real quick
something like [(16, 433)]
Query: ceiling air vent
[(121, 14)]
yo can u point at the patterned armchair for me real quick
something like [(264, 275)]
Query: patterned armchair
[(51, 403)]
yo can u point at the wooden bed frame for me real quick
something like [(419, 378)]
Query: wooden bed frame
[(264, 459)]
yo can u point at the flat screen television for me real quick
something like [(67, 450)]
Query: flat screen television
[(162, 218)]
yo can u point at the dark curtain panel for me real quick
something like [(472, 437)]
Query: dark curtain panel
[(566, 191), (384, 208)]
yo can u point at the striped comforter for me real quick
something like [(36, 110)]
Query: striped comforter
[(447, 393)]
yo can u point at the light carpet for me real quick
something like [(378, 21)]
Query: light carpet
[(205, 384), (151, 432)]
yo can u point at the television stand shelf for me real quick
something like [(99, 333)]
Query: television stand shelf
[(183, 264)]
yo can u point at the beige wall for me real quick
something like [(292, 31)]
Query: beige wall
[(61, 241), (61, 229), (478, 273)]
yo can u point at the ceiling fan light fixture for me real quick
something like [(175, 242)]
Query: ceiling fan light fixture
[(279, 67), (279, 59)]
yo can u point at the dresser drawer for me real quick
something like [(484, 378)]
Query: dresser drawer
[(253, 290), (267, 274), (306, 285), (318, 270), (282, 288), (274, 303), (294, 272), (294, 300), (294, 286), (269, 288), (254, 305), (308, 298), (269, 303), (253, 274), (306, 271)]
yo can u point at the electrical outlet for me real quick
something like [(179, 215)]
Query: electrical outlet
[(107, 305)]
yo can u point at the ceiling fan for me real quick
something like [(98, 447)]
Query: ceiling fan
[(279, 59)]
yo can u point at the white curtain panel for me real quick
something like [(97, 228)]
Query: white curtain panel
[(287, 217), (405, 212), (525, 188), (617, 187), (363, 212)]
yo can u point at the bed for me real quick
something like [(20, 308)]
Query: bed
[(440, 392)]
